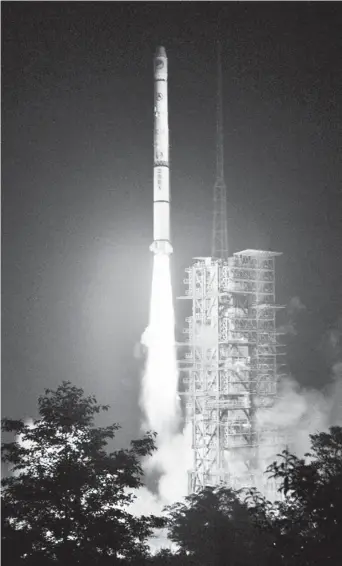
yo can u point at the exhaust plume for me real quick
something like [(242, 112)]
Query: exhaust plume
[(159, 398)]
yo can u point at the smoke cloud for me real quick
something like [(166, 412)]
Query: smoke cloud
[(301, 411), (297, 411), (293, 310)]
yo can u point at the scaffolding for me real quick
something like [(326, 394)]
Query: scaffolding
[(228, 367)]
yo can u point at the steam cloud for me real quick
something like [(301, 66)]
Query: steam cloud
[(297, 412)]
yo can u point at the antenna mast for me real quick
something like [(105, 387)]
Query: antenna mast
[(220, 231)]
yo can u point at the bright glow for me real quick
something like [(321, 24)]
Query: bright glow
[(160, 400), (160, 383)]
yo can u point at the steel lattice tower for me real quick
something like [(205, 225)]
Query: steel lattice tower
[(229, 368), (220, 232), (228, 362)]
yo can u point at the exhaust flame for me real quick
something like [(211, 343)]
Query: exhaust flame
[(160, 400)]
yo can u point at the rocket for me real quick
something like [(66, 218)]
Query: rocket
[(161, 175)]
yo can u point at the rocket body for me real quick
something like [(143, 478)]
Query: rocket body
[(161, 174)]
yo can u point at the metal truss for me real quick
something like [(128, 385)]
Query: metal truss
[(229, 366)]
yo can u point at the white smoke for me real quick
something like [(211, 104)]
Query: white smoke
[(297, 413), (172, 460), (301, 411), (293, 310)]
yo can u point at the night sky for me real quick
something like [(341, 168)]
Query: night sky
[(77, 115)]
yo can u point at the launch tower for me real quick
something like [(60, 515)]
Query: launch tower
[(228, 361), (229, 367)]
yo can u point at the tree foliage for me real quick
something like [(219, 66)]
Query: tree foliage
[(307, 522), (214, 527), (66, 498), (223, 527)]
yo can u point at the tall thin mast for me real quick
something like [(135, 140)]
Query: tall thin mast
[(220, 231)]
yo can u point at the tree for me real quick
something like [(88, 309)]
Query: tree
[(166, 557), (214, 528), (307, 523), (66, 499), (219, 526)]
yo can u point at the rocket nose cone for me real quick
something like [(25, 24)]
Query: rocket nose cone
[(160, 52)]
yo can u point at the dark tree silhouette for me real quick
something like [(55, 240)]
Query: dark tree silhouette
[(307, 523), (66, 498), (166, 557), (214, 527), (304, 528)]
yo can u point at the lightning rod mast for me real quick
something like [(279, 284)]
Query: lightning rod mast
[(220, 232)]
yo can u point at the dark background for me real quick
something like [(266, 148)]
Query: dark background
[(77, 114)]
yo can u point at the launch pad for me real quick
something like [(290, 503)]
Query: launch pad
[(228, 363)]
